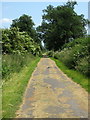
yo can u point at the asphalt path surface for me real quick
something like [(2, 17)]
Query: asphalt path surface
[(51, 94)]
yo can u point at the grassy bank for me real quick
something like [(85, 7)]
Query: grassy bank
[(14, 87), (74, 75)]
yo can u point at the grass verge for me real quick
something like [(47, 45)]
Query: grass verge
[(14, 88), (74, 75)]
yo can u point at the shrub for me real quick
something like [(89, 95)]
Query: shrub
[(50, 53), (18, 42), (75, 54), (83, 66), (66, 56)]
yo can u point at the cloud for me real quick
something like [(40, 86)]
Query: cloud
[(5, 20)]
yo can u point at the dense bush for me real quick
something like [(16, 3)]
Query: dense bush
[(50, 53), (18, 49), (83, 66), (66, 57), (75, 55), (19, 42)]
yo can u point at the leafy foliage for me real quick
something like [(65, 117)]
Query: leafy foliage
[(61, 24), (75, 55), (50, 53), (25, 24), (18, 42)]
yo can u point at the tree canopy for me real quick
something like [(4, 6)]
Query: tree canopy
[(26, 24), (61, 24)]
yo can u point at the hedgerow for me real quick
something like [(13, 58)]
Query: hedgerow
[(75, 55)]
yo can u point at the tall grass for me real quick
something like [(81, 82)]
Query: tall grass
[(13, 63), (19, 68)]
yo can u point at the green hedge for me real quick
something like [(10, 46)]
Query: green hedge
[(75, 55)]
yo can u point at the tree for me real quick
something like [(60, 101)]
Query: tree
[(25, 24), (71, 4), (60, 24)]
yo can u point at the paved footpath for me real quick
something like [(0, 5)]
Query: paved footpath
[(51, 94)]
